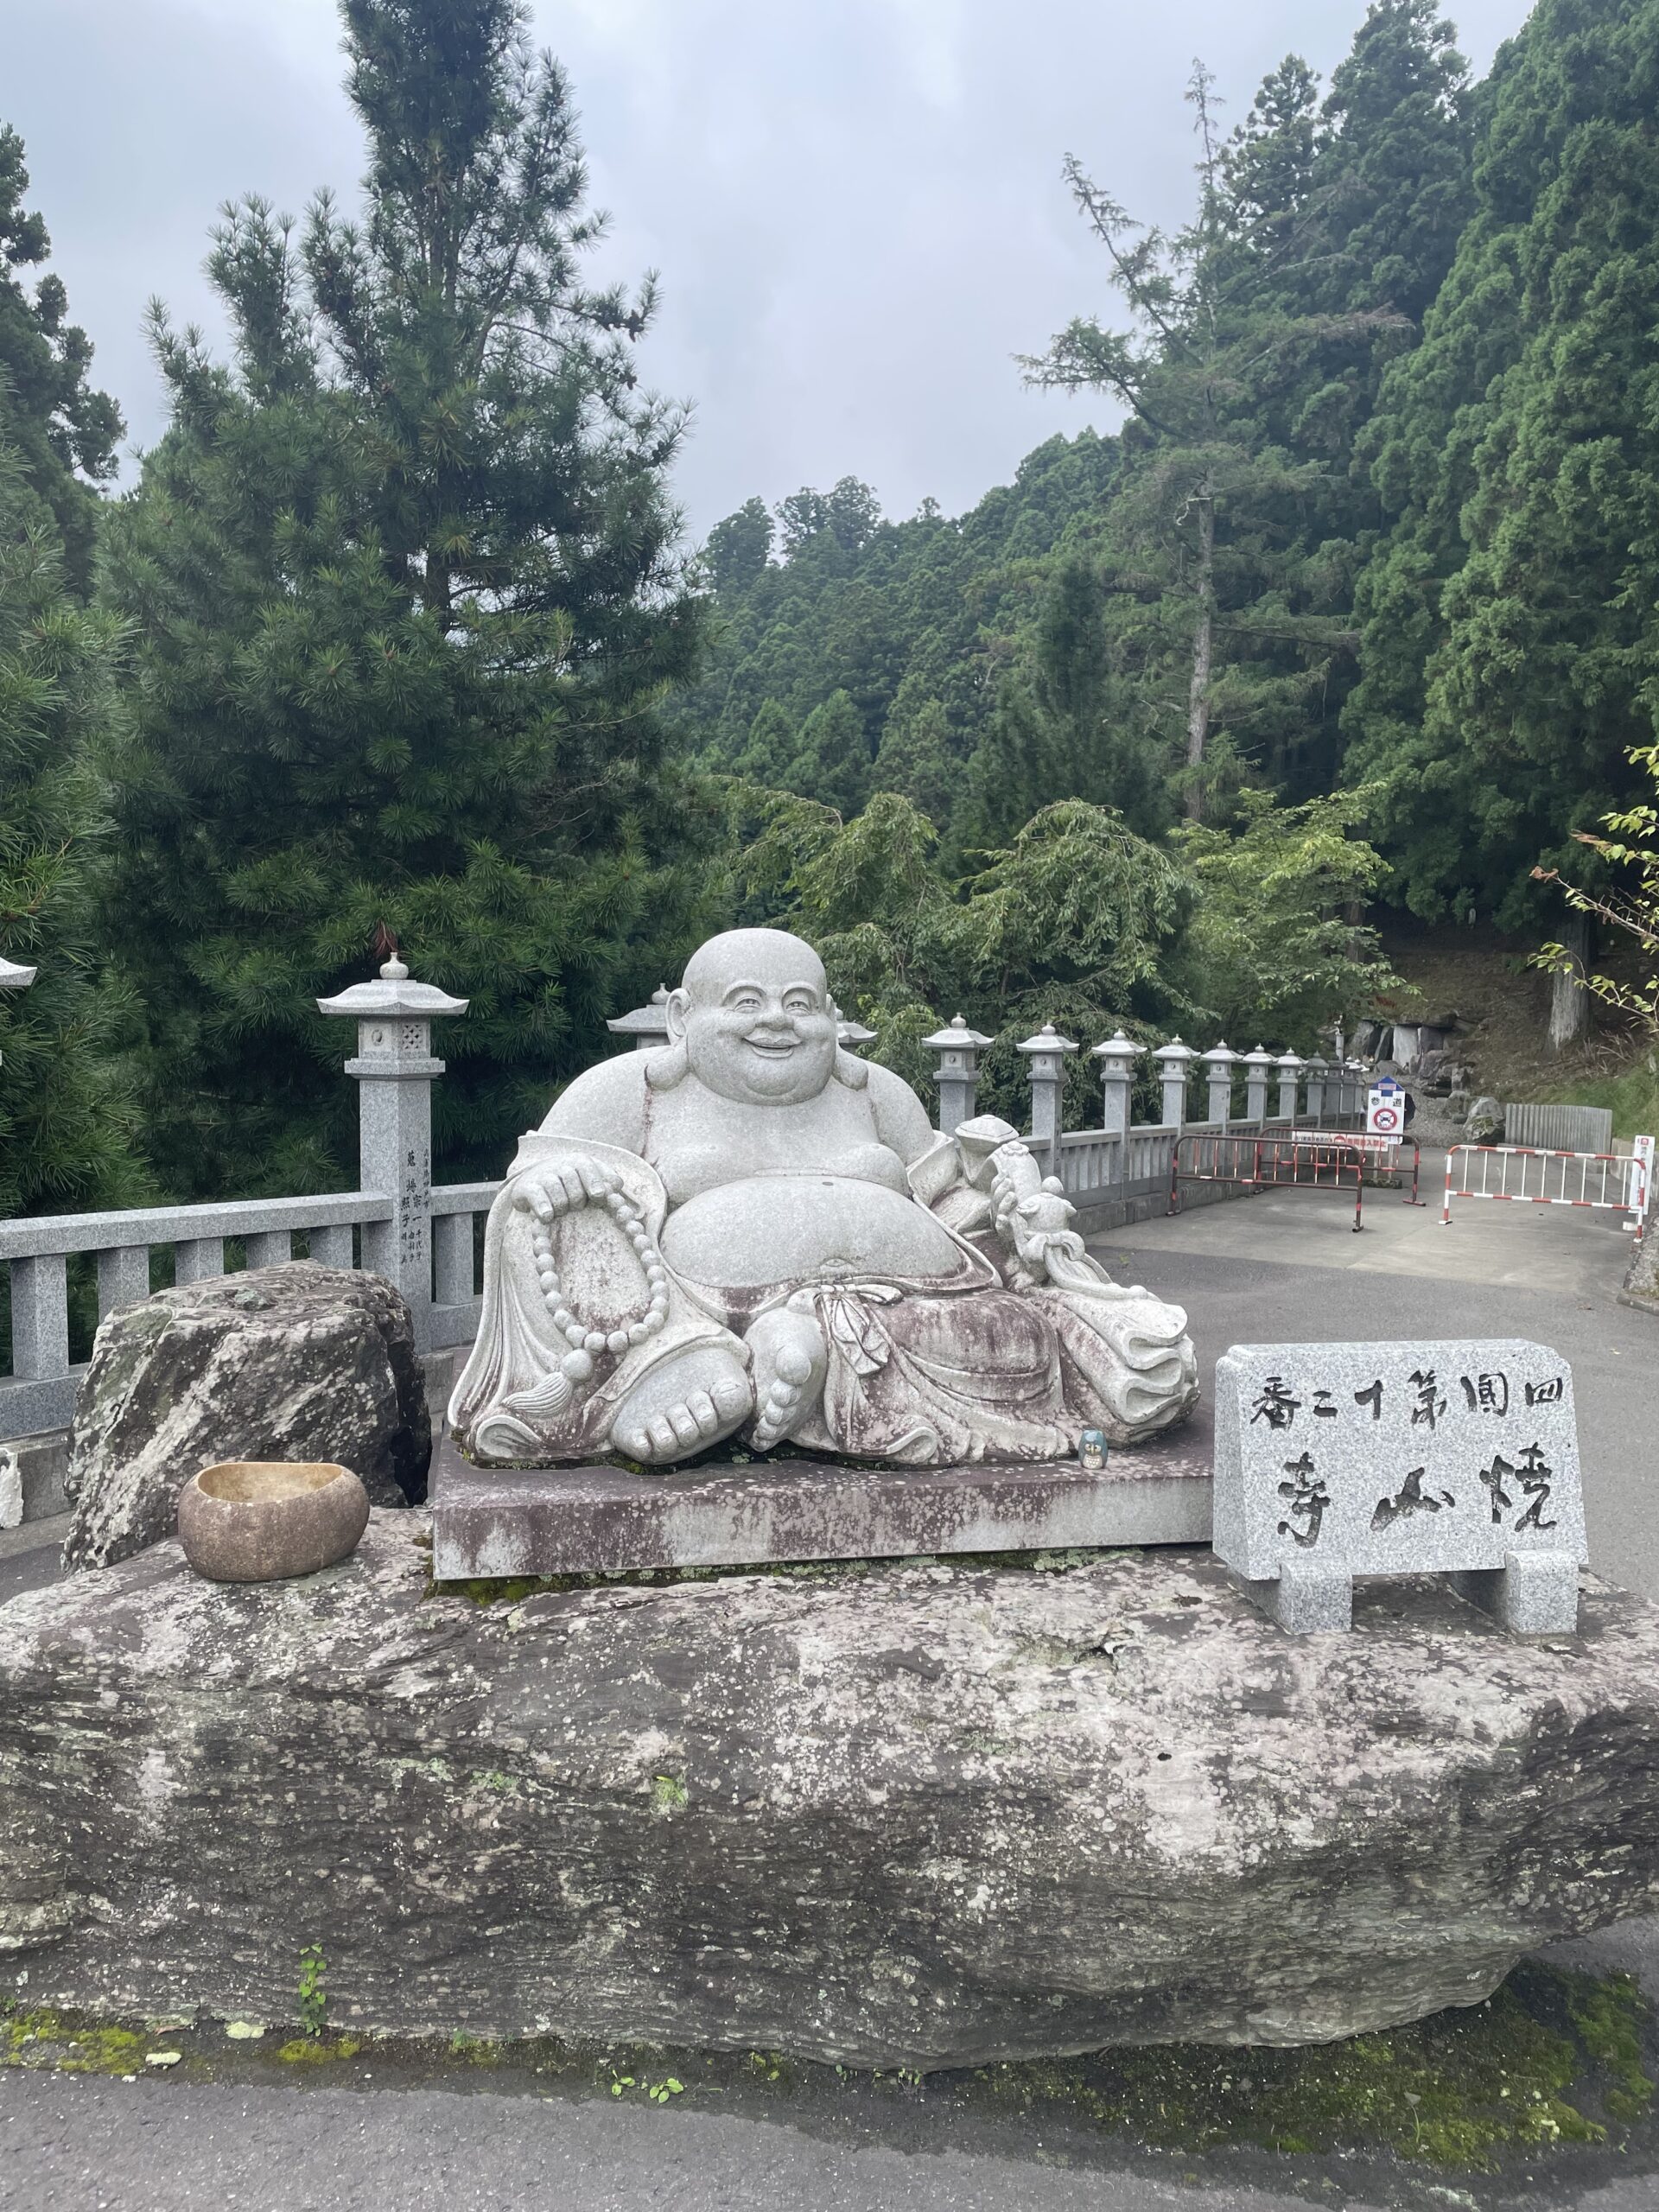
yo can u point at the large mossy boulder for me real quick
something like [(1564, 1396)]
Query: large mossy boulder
[(299, 1362), (916, 1815)]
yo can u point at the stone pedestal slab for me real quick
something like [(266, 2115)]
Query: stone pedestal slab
[(506, 1522)]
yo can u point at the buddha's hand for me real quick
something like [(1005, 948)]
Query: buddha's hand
[(563, 1184), (1033, 1215)]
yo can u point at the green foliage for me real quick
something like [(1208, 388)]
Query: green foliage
[(1064, 723), (1462, 2090), (407, 598), (832, 757), (64, 433), (312, 1990), (668, 1794), (1633, 845), (1151, 620), (918, 758), (1274, 946), (1247, 359), (1509, 643), (920, 612), (1074, 922), (67, 1123)]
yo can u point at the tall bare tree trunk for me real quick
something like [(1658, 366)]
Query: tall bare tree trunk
[(1198, 710), (1569, 1001)]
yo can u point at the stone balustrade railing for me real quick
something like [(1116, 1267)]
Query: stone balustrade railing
[(426, 1240)]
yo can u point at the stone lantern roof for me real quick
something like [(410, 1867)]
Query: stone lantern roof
[(955, 1037), (392, 995)]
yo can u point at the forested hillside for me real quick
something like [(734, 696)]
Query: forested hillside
[(1379, 517)]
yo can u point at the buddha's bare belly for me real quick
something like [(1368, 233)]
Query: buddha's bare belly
[(773, 1231)]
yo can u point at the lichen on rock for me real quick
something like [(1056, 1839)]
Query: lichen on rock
[(931, 1816)]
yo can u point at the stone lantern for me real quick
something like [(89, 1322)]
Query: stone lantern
[(1290, 1066), (1046, 1055), (1218, 1064), (395, 1067), (647, 1025), (1257, 1065), (1173, 1062), (1117, 1057), (958, 1048), (1318, 1068), (852, 1036), (14, 978)]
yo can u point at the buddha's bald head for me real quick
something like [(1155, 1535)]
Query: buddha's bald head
[(752, 1019), (753, 955)]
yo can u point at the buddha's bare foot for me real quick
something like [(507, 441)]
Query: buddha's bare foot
[(685, 1403), (789, 1366)]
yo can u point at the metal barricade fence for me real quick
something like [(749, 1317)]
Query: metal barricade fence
[(1601, 1182), (1319, 1160)]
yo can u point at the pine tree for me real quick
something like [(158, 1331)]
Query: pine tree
[(62, 432), (1206, 538), (1511, 654), (771, 747), (832, 759), (1066, 727), (407, 595), (66, 1123), (919, 759), (1391, 192), (739, 548)]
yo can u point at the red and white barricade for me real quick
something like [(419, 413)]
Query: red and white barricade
[(1600, 1182), (1305, 1160)]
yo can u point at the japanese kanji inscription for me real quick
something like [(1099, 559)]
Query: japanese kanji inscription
[(1407, 1458)]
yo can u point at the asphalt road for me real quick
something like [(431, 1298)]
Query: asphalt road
[(1281, 1267), (1286, 1268), (89, 2144)]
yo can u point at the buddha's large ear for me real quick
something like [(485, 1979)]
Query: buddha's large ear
[(673, 1063), (850, 1069)]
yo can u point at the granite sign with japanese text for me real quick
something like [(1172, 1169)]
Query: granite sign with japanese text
[(1395, 1459)]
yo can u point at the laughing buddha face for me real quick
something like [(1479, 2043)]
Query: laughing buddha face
[(754, 1010)]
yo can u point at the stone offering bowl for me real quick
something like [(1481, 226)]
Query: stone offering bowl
[(262, 1521)]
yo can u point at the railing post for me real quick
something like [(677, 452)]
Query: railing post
[(1117, 1057), (1256, 1066), (1318, 1068), (1045, 1066), (1218, 1064), (959, 1047), (1173, 1062), (395, 1068), (1290, 1066)]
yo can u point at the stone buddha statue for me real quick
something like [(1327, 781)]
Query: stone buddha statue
[(751, 1231)]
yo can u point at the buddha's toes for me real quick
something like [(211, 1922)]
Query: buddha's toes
[(789, 1366), (685, 1403)]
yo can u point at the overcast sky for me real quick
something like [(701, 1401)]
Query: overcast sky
[(854, 205)]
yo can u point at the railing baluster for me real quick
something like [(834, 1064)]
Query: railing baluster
[(198, 1259), (268, 1247), (452, 1244), (40, 1318), (123, 1277), (331, 1247)]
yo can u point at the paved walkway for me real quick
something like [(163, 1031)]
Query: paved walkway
[(1281, 1266), (1286, 1267)]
